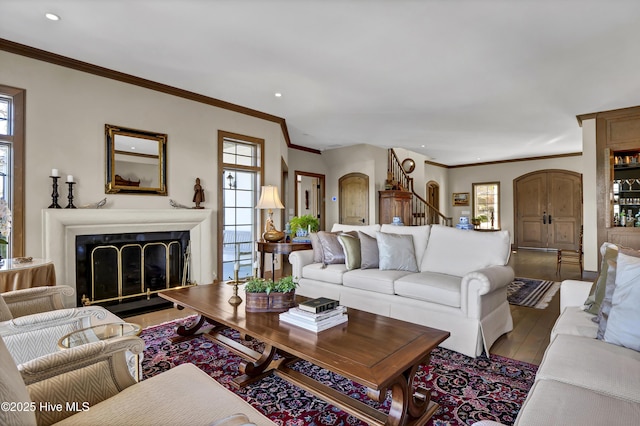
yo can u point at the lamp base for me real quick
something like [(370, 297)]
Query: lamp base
[(273, 236)]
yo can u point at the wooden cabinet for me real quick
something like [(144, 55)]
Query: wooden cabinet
[(395, 203), (618, 176)]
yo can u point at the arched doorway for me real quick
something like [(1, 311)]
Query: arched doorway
[(354, 199), (548, 209)]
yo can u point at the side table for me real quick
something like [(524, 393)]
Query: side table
[(19, 273), (278, 248)]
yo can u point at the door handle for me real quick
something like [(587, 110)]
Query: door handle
[(544, 218), (549, 219), (362, 220)]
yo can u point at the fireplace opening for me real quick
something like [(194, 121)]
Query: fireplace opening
[(124, 272)]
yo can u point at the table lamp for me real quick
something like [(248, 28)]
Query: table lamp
[(270, 200)]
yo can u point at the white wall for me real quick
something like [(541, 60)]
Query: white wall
[(66, 111), (590, 216)]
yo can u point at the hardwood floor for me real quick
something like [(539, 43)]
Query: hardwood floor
[(530, 336)]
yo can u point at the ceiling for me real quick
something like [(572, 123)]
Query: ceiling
[(455, 80)]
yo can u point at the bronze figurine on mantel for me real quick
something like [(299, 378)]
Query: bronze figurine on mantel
[(198, 196)]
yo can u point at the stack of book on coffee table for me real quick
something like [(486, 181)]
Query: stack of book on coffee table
[(316, 314)]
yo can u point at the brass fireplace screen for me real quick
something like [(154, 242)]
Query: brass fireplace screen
[(135, 270)]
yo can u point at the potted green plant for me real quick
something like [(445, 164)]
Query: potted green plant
[(268, 296), (303, 224)]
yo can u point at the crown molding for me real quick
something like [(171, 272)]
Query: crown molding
[(515, 160), (64, 61)]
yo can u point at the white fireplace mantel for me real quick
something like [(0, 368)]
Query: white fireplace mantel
[(61, 226)]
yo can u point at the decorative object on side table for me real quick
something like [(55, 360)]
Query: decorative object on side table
[(269, 296), (269, 199), (55, 175), (301, 226), (70, 182)]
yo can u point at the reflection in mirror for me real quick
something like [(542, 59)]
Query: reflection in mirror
[(310, 195), (136, 161)]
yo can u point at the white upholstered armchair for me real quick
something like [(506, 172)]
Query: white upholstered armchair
[(90, 385), (33, 320)]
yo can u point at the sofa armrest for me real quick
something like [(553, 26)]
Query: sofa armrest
[(484, 281), (55, 318), (88, 373), (36, 299), (299, 259), (574, 293)]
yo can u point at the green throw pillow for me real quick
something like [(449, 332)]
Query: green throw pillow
[(351, 247), (594, 301)]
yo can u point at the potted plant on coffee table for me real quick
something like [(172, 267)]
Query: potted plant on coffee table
[(268, 296)]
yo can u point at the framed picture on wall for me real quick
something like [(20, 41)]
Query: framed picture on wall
[(460, 198)]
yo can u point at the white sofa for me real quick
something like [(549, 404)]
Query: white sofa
[(461, 285), (582, 380)]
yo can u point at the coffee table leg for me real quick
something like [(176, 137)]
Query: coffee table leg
[(407, 408), (255, 370), (191, 328)]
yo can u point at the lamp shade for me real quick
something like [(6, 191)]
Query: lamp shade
[(269, 198)]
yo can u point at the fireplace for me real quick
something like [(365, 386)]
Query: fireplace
[(123, 270), (61, 227)]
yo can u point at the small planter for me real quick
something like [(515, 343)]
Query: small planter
[(272, 302)]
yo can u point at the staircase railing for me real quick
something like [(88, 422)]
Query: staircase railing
[(423, 212)]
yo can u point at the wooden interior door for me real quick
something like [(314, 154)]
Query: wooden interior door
[(433, 198), (354, 199), (548, 209)]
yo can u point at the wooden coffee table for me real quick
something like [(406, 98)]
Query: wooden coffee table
[(378, 352)]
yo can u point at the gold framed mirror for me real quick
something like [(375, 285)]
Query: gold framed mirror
[(408, 165), (136, 161)]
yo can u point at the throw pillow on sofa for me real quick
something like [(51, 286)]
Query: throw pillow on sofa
[(316, 246), (622, 327), (369, 254), (351, 247), (396, 252), (332, 252), (605, 306), (593, 302)]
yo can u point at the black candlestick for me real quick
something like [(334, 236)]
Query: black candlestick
[(54, 194), (70, 196)]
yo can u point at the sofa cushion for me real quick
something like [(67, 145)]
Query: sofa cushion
[(329, 273), (592, 364), (551, 403), (592, 304), (396, 252), (369, 254), (576, 322), (420, 236), (457, 252), (351, 247), (367, 229), (623, 327), (430, 286), (605, 306), (332, 252), (317, 247), (372, 279)]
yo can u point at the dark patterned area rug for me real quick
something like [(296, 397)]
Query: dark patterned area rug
[(467, 389), (531, 293)]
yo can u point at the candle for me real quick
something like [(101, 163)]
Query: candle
[(54, 172), (236, 267), (69, 178)]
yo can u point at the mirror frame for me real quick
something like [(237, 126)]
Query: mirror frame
[(408, 165), (111, 186)]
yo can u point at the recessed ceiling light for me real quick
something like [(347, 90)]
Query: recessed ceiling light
[(278, 95), (52, 16), (422, 146)]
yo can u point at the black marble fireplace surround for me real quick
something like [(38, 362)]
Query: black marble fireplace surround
[(118, 270)]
